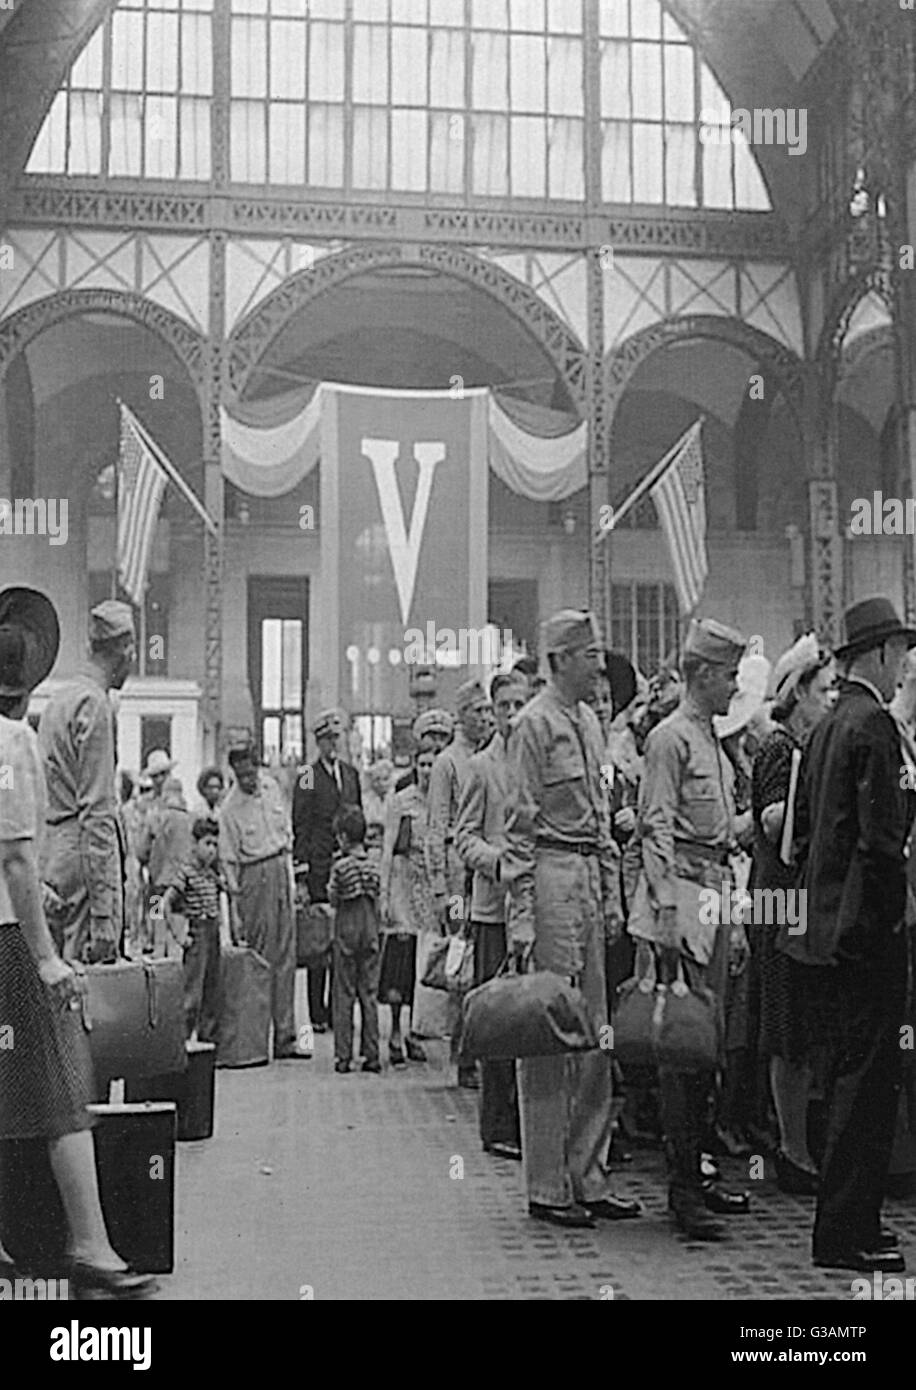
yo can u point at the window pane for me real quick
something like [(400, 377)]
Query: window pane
[(370, 148), (270, 737), (287, 143), (614, 18), (85, 153), (646, 19), (292, 736), (566, 172), (292, 663), (447, 137), (680, 166), (371, 9), (447, 68), (489, 14), (196, 55), (326, 146), (528, 64), (529, 159), (327, 9), (616, 184), (409, 67), (409, 133), (750, 188), (127, 51), (87, 70), (49, 152), (717, 174), (566, 95), (647, 81), (615, 80), (162, 52), (447, 12), (271, 662), (564, 16), (408, 11), (370, 64), (194, 149), (248, 142), (287, 59), (647, 164), (126, 132), (326, 62), (161, 143), (679, 98), (491, 154), (249, 58), (526, 14), (490, 58)]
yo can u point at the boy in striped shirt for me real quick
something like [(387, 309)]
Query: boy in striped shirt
[(195, 891)]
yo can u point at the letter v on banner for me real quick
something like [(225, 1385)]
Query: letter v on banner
[(403, 545)]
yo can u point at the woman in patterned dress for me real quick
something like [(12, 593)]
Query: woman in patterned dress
[(803, 688), (46, 1076), (407, 906)]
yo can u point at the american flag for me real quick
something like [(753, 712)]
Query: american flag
[(680, 500), (141, 483)]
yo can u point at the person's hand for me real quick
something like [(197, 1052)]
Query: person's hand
[(60, 980), (625, 820), (739, 952)]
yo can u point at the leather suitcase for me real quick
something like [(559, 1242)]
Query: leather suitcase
[(135, 1017), (135, 1158), (244, 1023), (192, 1090)]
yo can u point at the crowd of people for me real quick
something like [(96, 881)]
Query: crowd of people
[(581, 820)]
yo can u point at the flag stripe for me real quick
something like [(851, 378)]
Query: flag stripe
[(141, 483), (679, 497)]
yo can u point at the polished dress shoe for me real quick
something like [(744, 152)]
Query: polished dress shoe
[(573, 1218), (504, 1149), (723, 1202), (691, 1217), (90, 1282), (800, 1182), (865, 1261), (373, 1067), (319, 1027), (396, 1055), (614, 1209), (885, 1240), (415, 1051), (342, 1068)]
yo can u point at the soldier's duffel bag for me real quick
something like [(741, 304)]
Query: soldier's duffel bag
[(533, 1015)]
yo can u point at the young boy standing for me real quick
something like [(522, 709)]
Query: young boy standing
[(353, 891), (197, 886)]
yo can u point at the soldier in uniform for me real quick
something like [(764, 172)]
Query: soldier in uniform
[(83, 859), (561, 868), (686, 831)]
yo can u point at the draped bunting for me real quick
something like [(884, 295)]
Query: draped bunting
[(269, 446)]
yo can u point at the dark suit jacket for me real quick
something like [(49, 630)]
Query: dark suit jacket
[(314, 810), (852, 820)]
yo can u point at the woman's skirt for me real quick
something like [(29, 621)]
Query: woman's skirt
[(46, 1078), (398, 969), (799, 1006)]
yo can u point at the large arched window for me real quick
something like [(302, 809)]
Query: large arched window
[(466, 98)]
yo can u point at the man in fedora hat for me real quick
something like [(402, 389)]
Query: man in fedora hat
[(852, 821), (83, 860), (321, 789), (561, 868)]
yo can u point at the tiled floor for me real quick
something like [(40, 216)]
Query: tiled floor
[(366, 1187)]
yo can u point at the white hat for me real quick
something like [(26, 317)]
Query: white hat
[(802, 657), (753, 677), (158, 762)]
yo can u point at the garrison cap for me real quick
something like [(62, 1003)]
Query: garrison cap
[(714, 642), (570, 629), (433, 721), (329, 721), (110, 620), (467, 694)]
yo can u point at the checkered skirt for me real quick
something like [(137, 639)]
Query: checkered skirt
[(46, 1078)]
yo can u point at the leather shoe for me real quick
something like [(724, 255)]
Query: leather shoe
[(468, 1079), (501, 1149), (91, 1282), (573, 1218), (723, 1202), (792, 1179), (615, 1209), (292, 1054), (865, 1261), (886, 1240), (694, 1220)]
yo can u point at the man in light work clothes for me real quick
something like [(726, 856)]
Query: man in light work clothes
[(448, 874), (685, 827), (562, 870), (480, 837), (82, 866), (255, 844)]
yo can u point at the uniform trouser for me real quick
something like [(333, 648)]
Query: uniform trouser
[(265, 911), (498, 1090), (862, 1092), (201, 978), (565, 1102), (686, 1098), (356, 978)]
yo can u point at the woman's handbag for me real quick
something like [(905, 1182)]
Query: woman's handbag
[(533, 1015), (459, 964), (314, 926), (133, 1011), (433, 976), (673, 1026)]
